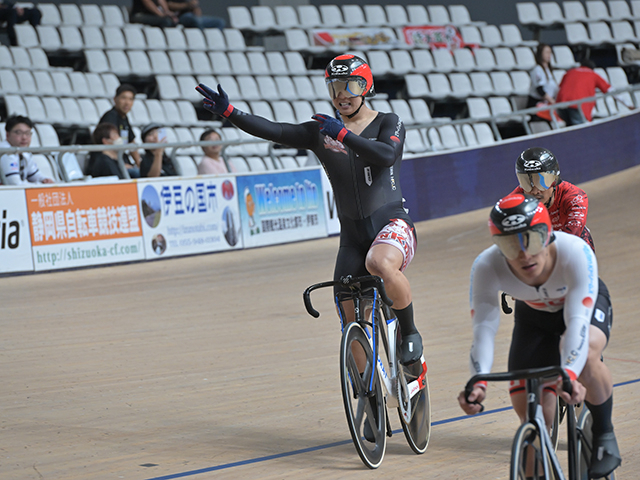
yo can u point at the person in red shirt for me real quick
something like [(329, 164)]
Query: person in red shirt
[(577, 83), (538, 172)]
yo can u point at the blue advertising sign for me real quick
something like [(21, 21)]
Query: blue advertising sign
[(281, 207)]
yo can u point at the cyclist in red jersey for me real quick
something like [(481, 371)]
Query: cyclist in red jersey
[(538, 172)]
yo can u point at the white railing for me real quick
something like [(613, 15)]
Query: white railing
[(523, 116)]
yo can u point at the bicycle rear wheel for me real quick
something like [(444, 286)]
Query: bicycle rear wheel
[(585, 442), (527, 455), (415, 413), (364, 402)]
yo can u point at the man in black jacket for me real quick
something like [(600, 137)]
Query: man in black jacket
[(105, 163), (125, 96)]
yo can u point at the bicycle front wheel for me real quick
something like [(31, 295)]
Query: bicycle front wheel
[(364, 403), (415, 412), (527, 454), (585, 444)]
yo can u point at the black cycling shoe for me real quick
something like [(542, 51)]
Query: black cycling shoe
[(410, 348), (605, 457)]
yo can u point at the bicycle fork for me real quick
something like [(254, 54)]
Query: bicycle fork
[(549, 460)]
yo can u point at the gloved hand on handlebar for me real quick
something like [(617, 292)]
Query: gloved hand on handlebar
[(331, 126), (215, 102), (473, 404), (577, 395)]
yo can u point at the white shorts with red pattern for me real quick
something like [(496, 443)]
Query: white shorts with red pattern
[(399, 234)]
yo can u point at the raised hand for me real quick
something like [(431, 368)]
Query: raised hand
[(331, 126), (215, 102)]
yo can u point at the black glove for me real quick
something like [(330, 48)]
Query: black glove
[(215, 102), (331, 126)]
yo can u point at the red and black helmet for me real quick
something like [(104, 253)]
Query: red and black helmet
[(351, 73), (520, 222)]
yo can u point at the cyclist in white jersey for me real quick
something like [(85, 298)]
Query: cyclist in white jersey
[(562, 303)]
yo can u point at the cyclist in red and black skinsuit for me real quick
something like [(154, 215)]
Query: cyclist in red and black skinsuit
[(567, 204), (361, 151)]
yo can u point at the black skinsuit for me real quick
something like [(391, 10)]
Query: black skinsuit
[(364, 173)]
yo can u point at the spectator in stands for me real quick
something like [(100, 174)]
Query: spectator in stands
[(105, 163), (123, 102), (544, 87), (155, 163), (12, 15), (20, 168), (169, 13), (212, 163), (577, 83), (190, 15)]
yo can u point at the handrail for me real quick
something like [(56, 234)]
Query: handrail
[(127, 146), (121, 149), (493, 120)]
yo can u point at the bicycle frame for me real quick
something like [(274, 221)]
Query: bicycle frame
[(370, 288), (374, 334), (535, 416), (533, 379), (368, 376)]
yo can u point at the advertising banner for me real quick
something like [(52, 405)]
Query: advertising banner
[(15, 240), (75, 226), (281, 207), (354, 37), (435, 36), (331, 212), (183, 217)]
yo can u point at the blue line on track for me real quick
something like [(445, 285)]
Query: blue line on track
[(330, 445)]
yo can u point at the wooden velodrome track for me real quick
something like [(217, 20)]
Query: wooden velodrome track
[(209, 367)]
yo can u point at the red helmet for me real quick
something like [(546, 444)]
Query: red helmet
[(520, 222), (351, 74)]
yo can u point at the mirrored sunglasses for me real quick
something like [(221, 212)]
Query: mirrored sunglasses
[(532, 242), (354, 87), (541, 180)]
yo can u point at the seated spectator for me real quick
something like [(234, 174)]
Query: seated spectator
[(544, 87), (165, 13), (577, 83), (12, 15), (20, 168), (190, 15), (123, 102), (212, 163), (105, 163), (155, 163)]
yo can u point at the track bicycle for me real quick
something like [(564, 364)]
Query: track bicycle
[(533, 453), (371, 375), (561, 406)]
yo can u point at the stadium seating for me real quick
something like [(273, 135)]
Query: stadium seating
[(487, 78)]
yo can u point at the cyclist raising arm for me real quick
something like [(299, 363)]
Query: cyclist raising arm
[(561, 303), (361, 152)]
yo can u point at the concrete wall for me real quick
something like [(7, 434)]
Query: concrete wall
[(451, 183)]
